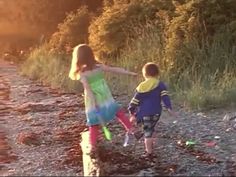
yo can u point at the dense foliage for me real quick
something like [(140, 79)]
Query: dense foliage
[(193, 41)]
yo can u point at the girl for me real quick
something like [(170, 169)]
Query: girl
[(98, 97)]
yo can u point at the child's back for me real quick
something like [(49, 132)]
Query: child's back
[(105, 103), (150, 100), (146, 105)]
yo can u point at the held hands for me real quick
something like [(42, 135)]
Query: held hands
[(132, 119)]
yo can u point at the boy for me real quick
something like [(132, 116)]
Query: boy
[(146, 106)]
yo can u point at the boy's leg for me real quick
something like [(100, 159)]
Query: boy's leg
[(149, 124), (93, 135), (154, 140), (148, 145), (124, 120), (148, 140)]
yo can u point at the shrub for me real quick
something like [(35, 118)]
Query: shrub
[(193, 42), (72, 31), (109, 31), (206, 72), (195, 24)]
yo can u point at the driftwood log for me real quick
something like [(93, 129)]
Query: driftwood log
[(110, 157), (91, 165)]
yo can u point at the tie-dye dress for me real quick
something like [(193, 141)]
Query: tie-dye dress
[(106, 104)]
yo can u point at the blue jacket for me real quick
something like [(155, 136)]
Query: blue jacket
[(148, 99)]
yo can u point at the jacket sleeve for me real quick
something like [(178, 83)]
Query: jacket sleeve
[(134, 103), (165, 97)]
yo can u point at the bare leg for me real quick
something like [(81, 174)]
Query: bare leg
[(148, 145), (154, 139)]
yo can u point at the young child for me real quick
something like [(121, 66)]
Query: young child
[(146, 105), (98, 97)]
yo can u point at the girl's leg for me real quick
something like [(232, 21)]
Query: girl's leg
[(93, 135), (124, 120)]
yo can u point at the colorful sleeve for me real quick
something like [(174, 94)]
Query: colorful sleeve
[(134, 103), (165, 97)]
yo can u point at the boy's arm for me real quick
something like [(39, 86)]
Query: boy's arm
[(116, 70), (165, 97), (166, 100)]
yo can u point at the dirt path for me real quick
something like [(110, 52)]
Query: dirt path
[(40, 135), (36, 123)]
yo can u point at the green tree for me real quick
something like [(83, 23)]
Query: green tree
[(119, 20), (73, 30)]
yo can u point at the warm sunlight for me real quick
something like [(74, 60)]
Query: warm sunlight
[(117, 87)]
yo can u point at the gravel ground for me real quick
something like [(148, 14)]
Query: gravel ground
[(41, 126)]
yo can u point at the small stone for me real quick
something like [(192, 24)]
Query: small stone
[(226, 117), (28, 138), (200, 114), (179, 142)]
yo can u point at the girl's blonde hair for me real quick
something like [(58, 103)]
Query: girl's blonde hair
[(82, 59)]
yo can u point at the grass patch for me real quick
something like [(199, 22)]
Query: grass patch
[(201, 76), (208, 93), (50, 68)]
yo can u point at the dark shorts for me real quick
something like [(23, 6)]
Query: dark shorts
[(149, 123)]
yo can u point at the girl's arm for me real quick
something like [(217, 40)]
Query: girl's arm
[(116, 70)]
